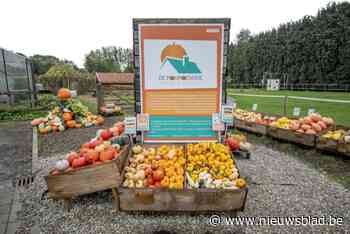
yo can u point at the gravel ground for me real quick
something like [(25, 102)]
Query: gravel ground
[(279, 185), (63, 142)]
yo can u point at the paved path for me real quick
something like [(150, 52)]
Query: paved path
[(15, 159)]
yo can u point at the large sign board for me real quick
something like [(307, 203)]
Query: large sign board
[(181, 70)]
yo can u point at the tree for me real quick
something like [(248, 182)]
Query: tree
[(109, 59), (42, 63), (314, 49), (244, 35), (60, 75)]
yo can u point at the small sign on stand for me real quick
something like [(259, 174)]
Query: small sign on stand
[(311, 111), (130, 125), (254, 107), (227, 114), (143, 122), (234, 105), (296, 111), (217, 124)]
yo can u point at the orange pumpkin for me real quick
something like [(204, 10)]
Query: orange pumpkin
[(67, 116), (106, 155), (78, 125), (100, 120), (70, 124), (63, 94)]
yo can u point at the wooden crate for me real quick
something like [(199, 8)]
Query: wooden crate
[(87, 179), (146, 199), (251, 126), (292, 136), (163, 199), (333, 146)]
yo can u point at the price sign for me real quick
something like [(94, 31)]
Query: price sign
[(143, 122), (255, 107), (130, 125), (234, 105), (311, 111), (296, 111), (227, 114), (217, 124)]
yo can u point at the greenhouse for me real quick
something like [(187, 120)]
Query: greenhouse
[(16, 80)]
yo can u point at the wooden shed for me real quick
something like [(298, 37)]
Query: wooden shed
[(115, 88)]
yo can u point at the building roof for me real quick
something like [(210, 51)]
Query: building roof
[(115, 78), (183, 66)]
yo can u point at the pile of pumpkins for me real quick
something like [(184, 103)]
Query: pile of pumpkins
[(255, 117), (151, 167), (63, 117), (312, 124), (104, 147), (237, 141), (210, 165), (111, 108)]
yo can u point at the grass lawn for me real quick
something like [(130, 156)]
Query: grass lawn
[(339, 111), (313, 94), (90, 102)]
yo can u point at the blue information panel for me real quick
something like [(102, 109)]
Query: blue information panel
[(181, 127)]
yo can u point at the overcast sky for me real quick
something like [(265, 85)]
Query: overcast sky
[(71, 28)]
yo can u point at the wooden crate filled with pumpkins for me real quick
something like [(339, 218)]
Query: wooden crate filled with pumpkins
[(250, 121), (336, 140), (178, 177), (96, 166), (303, 131)]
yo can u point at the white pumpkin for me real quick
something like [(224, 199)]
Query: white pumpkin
[(62, 165)]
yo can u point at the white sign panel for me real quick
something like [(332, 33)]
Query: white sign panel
[(194, 66), (130, 125), (311, 111), (254, 107), (217, 124), (142, 122), (227, 114), (296, 111)]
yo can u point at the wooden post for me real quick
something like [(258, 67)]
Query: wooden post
[(67, 204), (99, 96), (285, 105), (116, 199)]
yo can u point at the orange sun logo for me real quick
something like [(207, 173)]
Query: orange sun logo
[(173, 51)]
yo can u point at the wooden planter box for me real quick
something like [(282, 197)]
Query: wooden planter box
[(333, 146), (292, 136), (251, 126), (87, 179), (163, 199), (146, 199)]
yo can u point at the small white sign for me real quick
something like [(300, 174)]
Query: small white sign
[(254, 107), (217, 124), (143, 122), (73, 93), (227, 114), (311, 111), (296, 111), (130, 125), (234, 105)]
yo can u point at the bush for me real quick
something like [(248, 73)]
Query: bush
[(47, 101)]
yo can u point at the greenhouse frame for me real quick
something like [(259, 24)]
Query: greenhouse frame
[(17, 86)]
